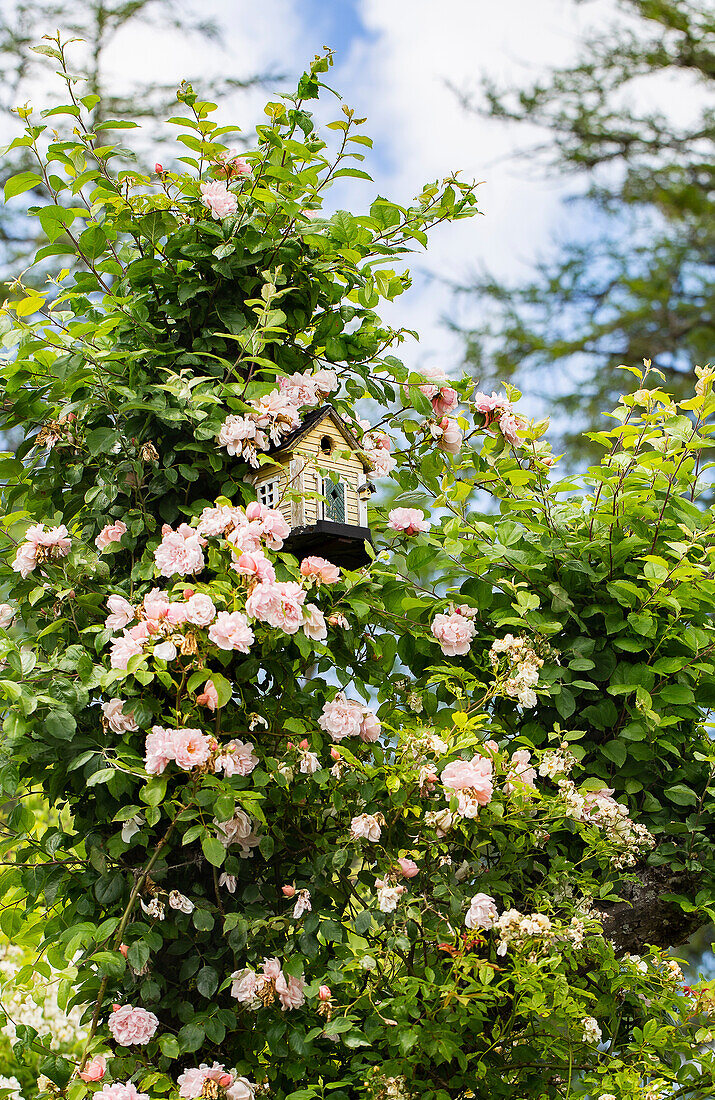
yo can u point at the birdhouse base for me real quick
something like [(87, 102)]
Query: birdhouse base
[(340, 543)]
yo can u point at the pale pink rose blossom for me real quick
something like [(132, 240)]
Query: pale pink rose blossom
[(365, 826), (159, 750), (7, 614), (445, 400), (209, 696), (229, 881), (55, 540), (290, 992), (240, 435), (274, 527), (242, 1089), (216, 521), (232, 163), (341, 717), (165, 651), (236, 758), (132, 1026), (156, 605), (122, 649), (410, 520), (191, 748), (191, 1081), (125, 1090), (217, 198), (255, 564), (279, 604), (179, 551), (117, 720), (200, 610), (238, 830), (111, 532), (244, 986), (25, 559), (231, 631), (473, 775), (408, 867), (95, 1069), (320, 570), (520, 771), (271, 970), (454, 633), (245, 538), (300, 389), (451, 438), (177, 613), (370, 727), (482, 912), (314, 623)]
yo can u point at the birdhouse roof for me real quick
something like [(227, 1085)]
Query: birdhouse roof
[(311, 421)]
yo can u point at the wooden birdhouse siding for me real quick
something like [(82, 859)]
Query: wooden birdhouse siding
[(319, 482)]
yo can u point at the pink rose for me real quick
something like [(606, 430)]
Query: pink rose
[(454, 633), (177, 613), (126, 1090), (231, 163), (445, 400), (200, 610), (217, 198), (288, 891), (7, 614), (25, 559), (370, 727), (122, 613), (279, 604), (520, 771), (117, 720), (216, 521), (110, 533), (255, 565), (320, 570), (365, 827), (209, 696), (179, 552), (274, 528), (290, 992), (408, 868), (245, 985), (156, 605), (472, 775), (132, 1026), (314, 623), (324, 993), (122, 650), (55, 542), (191, 748), (450, 439), (191, 1081), (271, 970), (95, 1069), (410, 520), (236, 758), (231, 631), (159, 750), (482, 912), (341, 717)]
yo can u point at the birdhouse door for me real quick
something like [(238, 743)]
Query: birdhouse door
[(335, 505)]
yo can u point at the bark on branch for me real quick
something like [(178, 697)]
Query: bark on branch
[(643, 916)]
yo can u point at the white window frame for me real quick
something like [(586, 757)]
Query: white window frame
[(266, 492)]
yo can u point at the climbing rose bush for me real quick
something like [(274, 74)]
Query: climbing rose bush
[(421, 828)]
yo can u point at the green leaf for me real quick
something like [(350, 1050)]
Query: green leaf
[(214, 850), (16, 185), (681, 795)]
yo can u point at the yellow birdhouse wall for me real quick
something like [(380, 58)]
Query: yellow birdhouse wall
[(294, 484)]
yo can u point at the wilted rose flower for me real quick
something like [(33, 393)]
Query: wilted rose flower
[(482, 912)]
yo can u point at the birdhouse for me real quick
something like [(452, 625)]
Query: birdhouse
[(319, 481)]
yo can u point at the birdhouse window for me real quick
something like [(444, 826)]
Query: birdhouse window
[(326, 445), (267, 493), (335, 504)]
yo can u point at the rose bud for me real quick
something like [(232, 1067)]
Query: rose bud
[(324, 993), (288, 891)]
